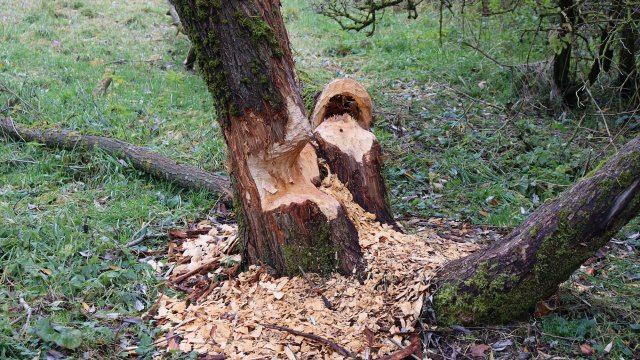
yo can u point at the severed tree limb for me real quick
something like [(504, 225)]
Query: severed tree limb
[(186, 176), (507, 279)]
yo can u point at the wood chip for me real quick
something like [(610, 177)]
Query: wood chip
[(228, 317)]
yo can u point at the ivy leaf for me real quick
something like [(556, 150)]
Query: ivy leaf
[(62, 336)]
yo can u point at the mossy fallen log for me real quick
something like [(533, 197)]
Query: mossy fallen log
[(183, 175), (506, 280)]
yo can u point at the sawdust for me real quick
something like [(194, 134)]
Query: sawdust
[(367, 319)]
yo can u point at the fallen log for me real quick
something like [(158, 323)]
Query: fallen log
[(506, 280), (185, 176)]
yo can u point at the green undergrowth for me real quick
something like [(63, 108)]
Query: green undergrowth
[(456, 146)]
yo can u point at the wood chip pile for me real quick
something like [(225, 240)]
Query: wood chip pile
[(253, 315)]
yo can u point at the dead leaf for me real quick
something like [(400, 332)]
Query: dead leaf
[(542, 309), (591, 271), (173, 342), (586, 349), (369, 335), (478, 350), (48, 272)]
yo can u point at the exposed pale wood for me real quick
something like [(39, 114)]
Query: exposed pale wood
[(354, 155), (285, 221), (341, 119), (344, 96)]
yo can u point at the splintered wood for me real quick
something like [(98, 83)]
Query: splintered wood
[(256, 316)]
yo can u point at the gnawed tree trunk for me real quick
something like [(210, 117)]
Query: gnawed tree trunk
[(508, 278), (143, 159), (285, 220), (342, 119)]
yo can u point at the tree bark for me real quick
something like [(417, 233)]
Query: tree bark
[(189, 61), (342, 118), (508, 278), (628, 78), (562, 60), (285, 221), (186, 176), (602, 62)]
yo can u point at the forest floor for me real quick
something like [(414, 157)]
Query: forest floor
[(462, 142)]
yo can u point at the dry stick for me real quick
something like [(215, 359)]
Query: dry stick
[(316, 289), (186, 176), (29, 311), (405, 352), (339, 349), (464, 43), (144, 238), (200, 269), (604, 120)]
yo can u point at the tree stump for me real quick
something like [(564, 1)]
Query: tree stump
[(342, 119)]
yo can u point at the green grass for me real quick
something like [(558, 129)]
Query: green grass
[(65, 216)]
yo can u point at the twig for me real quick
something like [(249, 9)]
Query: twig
[(464, 43), (145, 238), (125, 61), (604, 120), (408, 351), (22, 101), (560, 337), (208, 290), (29, 311), (316, 289), (339, 349), (200, 269)]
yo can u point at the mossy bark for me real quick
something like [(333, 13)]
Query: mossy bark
[(154, 164), (243, 52), (507, 279)]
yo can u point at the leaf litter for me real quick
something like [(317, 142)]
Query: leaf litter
[(254, 315)]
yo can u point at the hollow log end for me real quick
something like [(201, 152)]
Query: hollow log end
[(342, 96)]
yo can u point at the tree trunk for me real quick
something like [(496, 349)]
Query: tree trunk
[(602, 62), (189, 61), (562, 59), (186, 176), (341, 119), (285, 221), (628, 79), (508, 278)]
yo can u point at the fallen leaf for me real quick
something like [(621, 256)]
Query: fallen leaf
[(607, 349), (173, 342), (478, 350), (586, 349), (501, 345), (369, 335), (542, 309), (590, 271), (45, 270)]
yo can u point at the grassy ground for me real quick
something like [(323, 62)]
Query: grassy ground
[(457, 147)]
